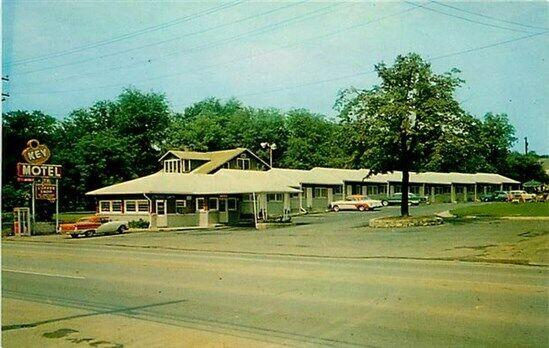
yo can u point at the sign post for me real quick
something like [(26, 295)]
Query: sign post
[(40, 175), (56, 205)]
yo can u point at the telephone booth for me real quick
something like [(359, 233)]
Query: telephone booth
[(21, 223)]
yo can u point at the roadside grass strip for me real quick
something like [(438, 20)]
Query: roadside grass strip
[(502, 209)]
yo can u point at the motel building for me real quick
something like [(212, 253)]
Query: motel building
[(233, 187)]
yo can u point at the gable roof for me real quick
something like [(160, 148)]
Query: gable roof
[(225, 181), (219, 158), (215, 159)]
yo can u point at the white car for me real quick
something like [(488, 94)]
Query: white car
[(356, 202), (520, 196)]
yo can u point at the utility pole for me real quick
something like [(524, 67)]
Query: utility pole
[(5, 95), (525, 145)]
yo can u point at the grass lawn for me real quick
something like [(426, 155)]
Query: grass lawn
[(504, 209)]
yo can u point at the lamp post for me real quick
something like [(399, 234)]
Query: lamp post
[(271, 147)]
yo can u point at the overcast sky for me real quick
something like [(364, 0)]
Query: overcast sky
[(65, 55)]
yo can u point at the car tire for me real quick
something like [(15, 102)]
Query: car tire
[(89, 233), (121, 229), (384, 203), (74, 235), (335, 208)]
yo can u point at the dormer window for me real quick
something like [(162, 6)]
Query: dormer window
[(173, 166), (243, 163)]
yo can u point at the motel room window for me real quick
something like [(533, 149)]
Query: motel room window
[(143, 206), (130, 207), (231, 202), (372, 190), (243, 163), (180, 206), (117, 206), (320, 192), (294, 195), (275, 197), (338, 190), (172, 166), (247, 198), (110, 206), (105, 206), (213, 203), (136, 206)]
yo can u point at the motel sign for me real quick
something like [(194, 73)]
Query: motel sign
[(27, 170)]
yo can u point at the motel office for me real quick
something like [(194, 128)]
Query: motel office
[(236, 186)]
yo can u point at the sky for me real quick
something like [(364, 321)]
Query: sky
[(64, 55)]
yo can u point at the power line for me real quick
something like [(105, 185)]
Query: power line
[(241, 58), (223, 41), (499, 43), (373, 71), (124, 36), (261, 30), (156, 43), (488, 17), (465, 18)]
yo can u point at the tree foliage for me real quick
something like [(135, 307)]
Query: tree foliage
[(400, 124)]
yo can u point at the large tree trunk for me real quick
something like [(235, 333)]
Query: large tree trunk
[(404, 208)]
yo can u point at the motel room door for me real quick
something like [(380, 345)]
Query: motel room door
[(161, 216), (223, 211)]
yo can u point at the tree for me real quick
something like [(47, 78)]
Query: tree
[(311, 141), (399, 123), (497, 136), (524, 167)]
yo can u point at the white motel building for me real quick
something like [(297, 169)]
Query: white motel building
[(236, 186)]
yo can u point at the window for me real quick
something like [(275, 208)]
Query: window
[(372, 190), (294, 195), (105, 206), (130, 207), (110, 206), (143, 206), (213, 203), (243, 163), (232, 204), (172, 166), (320, 192), (247, 198), (338, 190), (275, 197), (180, 206), (136, 206), (200, 204)]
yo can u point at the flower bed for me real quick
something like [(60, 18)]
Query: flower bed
[(408, 221)]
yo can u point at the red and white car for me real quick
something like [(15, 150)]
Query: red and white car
[(356, 202), (91, 225)]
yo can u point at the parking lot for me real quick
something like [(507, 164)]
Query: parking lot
[(327, 280)]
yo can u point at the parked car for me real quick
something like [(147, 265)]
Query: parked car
[(413, 199), (356, 202), (496, 196), (93, 225), (520, 196)]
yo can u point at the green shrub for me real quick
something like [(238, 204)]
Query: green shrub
[(138, 224)]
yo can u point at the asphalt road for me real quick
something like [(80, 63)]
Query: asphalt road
[(274, 300)]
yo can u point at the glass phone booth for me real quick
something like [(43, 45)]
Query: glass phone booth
[(21, 222)]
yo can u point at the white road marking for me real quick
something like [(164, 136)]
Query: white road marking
[(43, 274)]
